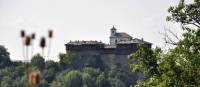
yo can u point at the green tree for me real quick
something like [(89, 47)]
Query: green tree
[(71, 78), (51, 64), (180, 66), (185, 13), (118, 77), (92, 72), (38, 61), (94, 77), (6, 82), (4, 57), (20, 82), (115, 82), (101, 81), (66, 60), (50, 71), (87, 80), (49, 75)]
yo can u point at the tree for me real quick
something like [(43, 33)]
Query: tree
[(49, 75), (180, 66), (88, 80), (118, 77), (92, 72), (6, 82), (4, 57), (38, 61), (21, 82), (66, 59), (186, 14), (101, 81), (51, 64), (71, 78), (115, 82)]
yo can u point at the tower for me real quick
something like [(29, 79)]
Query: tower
[(119, 37), (113, 39), (113, 31)]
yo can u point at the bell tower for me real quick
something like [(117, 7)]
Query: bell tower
[(113, 38), (113, 31)]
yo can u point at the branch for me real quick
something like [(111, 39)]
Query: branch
[(175, 35), (168, 40), (192, 24)]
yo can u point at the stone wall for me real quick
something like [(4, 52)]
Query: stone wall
[(118, 55)]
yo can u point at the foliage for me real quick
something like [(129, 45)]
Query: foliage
[(186, 14), (4, 57), (70, 71), (180, 66), (6, 82), (118, 77), (52, 65), (101, 81), (70, 79), (38, 61), (87, 80), (66, 58)]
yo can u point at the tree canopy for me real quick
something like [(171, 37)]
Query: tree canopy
[(4, 57), (180, 66), (68, 72)]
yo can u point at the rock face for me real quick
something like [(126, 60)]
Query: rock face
[(121, 45)]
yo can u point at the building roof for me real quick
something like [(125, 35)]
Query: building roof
[(84, 42), (122, 34), (135, 40)]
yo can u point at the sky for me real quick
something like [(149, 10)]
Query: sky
[(81, 20)]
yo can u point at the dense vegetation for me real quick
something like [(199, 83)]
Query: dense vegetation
[(180, 66), (68, 72)]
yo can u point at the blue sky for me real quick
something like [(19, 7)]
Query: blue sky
[(81, 20)]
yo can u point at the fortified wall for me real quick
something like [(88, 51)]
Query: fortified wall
[(121, 45)]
